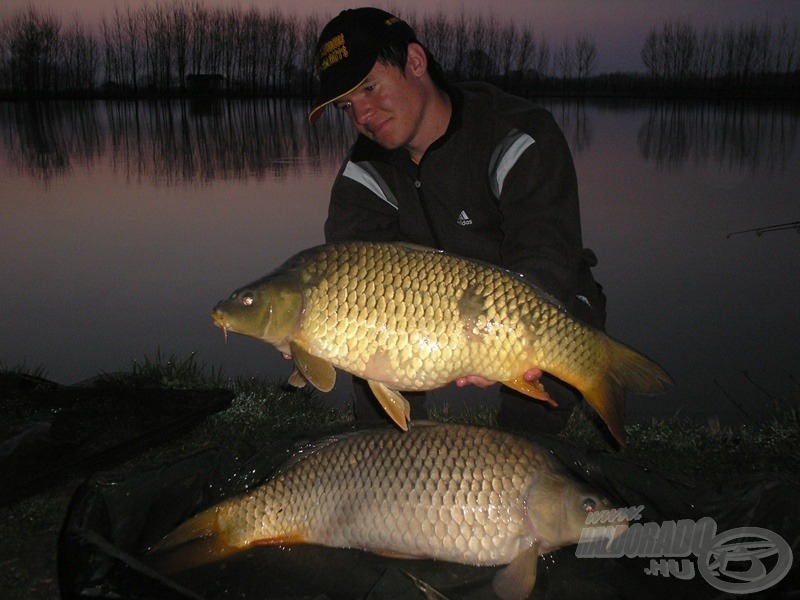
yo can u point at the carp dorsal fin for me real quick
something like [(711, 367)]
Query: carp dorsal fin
[(393, 403), (418, 247), (317, 371), (533, 389), (516, 581)]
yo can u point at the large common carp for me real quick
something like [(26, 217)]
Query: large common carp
[(413, 318), (456, 493)]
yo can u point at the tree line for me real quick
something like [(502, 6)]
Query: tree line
[(680, 55), (174, 48)]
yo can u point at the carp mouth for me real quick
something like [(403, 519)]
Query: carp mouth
[(219, 321)]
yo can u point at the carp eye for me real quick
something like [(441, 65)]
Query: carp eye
[(589, 505), (247, 298)]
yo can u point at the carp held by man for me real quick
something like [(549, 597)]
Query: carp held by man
[(410, 318), (456, 493)]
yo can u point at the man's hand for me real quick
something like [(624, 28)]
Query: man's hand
[(530, 375)]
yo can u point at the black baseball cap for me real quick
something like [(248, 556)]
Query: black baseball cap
[(348, 48)]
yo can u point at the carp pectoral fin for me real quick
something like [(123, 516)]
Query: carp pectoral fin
[(400, 555), (296, 379), (290, 538), (516, 581), (533, 389), (318, 372), (393, 403)]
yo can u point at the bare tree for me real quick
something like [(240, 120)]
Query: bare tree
[(542, 61), (565, 60), (80, 60), (460, 46), (509, 49), (651, 58), (290, 53), (132, 27), (181, 40), (792, 55), (308, 52), (32, 42), (707, 55), (438, 36), (585, 55), (199, 35), (275, 32), (493, 47), (685, 40)]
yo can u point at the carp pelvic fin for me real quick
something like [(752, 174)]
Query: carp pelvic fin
[(516, 581), (533, 389), (318, 372), (296, 379), (393, 403)]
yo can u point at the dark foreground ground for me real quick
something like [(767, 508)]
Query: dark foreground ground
[(52, 438)]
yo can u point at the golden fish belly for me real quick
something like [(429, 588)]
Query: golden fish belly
[(417, 320), (447, 492)]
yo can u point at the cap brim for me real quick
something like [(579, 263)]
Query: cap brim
[(316, 112)]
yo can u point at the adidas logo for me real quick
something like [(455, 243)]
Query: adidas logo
[(463, 219)]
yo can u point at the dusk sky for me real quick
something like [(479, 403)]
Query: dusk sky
[(618, 27)]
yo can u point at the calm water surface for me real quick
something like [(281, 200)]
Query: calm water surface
[(124, 223)]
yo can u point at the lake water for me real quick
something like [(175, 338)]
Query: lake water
[(124, 223)]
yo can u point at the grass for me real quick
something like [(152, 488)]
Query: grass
[(262, 411)]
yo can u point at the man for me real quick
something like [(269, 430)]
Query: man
[(465, 168)]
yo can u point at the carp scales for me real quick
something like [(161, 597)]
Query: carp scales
[(410, 318), (455, 493)]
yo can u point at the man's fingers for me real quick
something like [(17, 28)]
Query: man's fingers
[(532, 374)]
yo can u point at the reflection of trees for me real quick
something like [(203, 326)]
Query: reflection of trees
[(173, 141), (745, 137), (574, 122), (44, 139)]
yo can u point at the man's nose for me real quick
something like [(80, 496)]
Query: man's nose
[(362, 111)]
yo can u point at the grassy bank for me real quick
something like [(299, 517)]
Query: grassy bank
[(261, 411)]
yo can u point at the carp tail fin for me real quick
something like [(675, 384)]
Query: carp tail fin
[(627, 371), (198, 541)]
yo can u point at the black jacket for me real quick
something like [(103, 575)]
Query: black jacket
[(498, 186)]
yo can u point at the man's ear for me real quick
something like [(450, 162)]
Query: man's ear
[(417, 62)]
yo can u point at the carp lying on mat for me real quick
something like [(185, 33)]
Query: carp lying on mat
[(455, 493)]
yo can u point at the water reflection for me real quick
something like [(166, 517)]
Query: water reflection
[(742, 137), (111, 253), (171, 141), (175, 141), (574, 121), (42, 140)]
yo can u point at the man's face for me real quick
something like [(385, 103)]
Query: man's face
[(386, 107)]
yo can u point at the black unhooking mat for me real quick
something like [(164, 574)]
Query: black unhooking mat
[(110, 522), (50, 432)]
